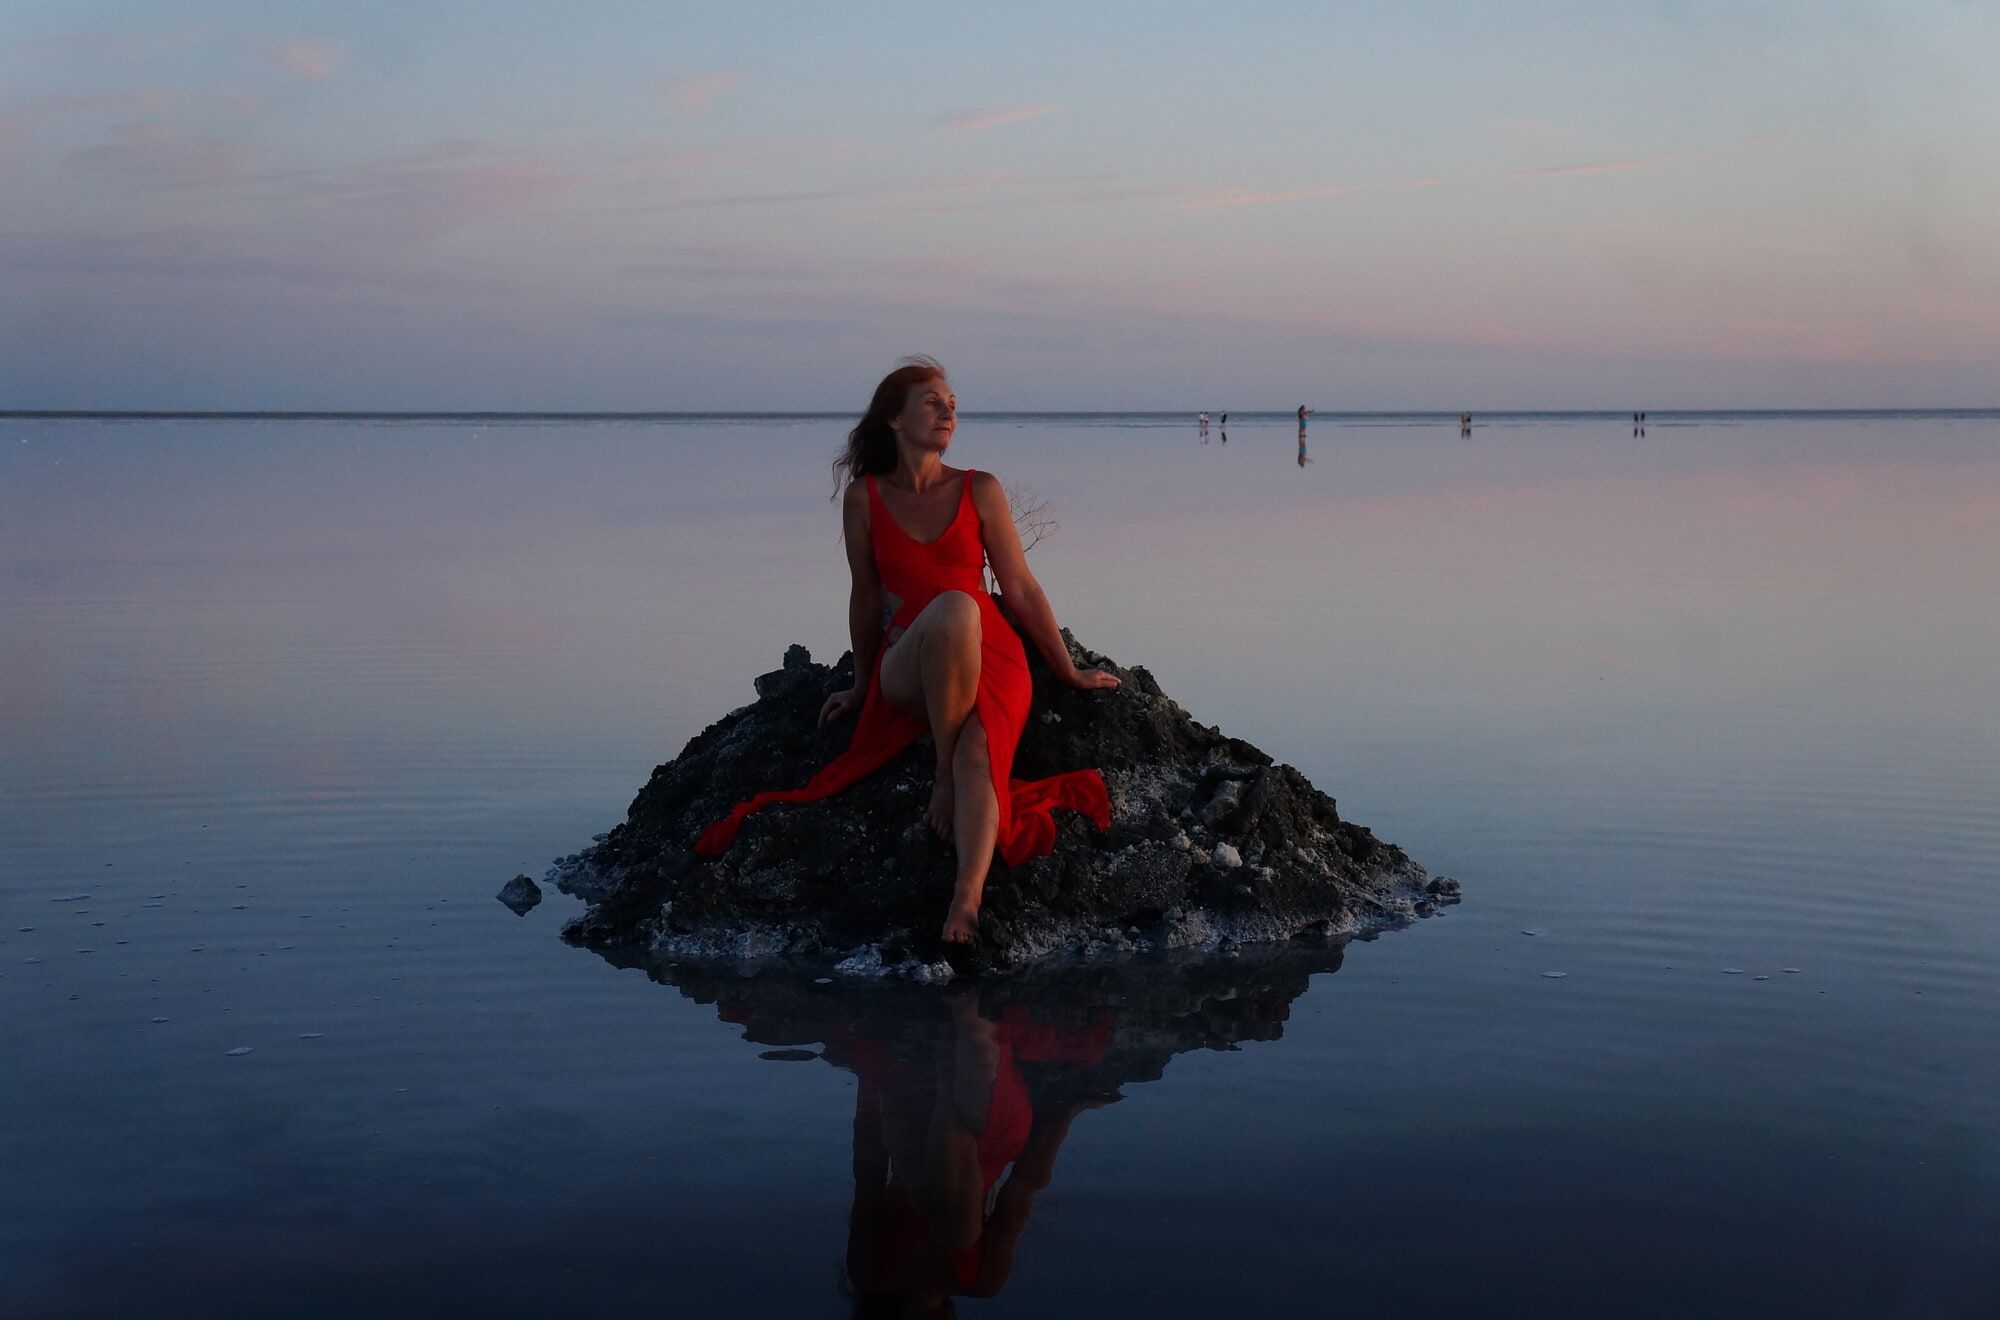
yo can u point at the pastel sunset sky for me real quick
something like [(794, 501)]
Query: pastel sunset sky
[(761, 206)]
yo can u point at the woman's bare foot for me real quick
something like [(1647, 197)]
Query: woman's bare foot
[(961, 925), (938, 813)]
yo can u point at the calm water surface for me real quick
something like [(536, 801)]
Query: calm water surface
[(1705, 721)]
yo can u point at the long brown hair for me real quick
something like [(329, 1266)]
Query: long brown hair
[(871, 445)]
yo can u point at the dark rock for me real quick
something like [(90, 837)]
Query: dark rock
[(520, 894), (1209, 840)]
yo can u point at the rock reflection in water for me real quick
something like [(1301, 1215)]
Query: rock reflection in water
[(967, 1093)]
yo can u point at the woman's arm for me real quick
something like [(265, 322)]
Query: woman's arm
[(864, 603), (1025, 598), (864, 599)]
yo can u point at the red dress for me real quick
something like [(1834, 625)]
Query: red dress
[(915, 572)]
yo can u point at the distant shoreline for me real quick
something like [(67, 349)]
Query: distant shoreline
[(1286, 414)]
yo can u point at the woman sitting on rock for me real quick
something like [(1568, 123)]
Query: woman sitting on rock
[(919, 537)]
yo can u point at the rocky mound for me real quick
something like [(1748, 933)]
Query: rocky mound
[(1211, 844)]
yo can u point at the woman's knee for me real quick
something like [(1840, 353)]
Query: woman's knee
[(957, 614)]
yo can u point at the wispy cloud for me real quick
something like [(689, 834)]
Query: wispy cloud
[(978, 121), (1237, 197), (697, 93), (947, 281), (19, 119), (1534, 129), (189, 253), (306, 58), (159, 154), (730, 262), (112, 43), (401, 198), (1599, 166), (45, 107), (927, 189), (1228, 198), (1651, 236), (424, 193)]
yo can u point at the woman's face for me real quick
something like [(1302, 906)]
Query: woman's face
[(929, 416)]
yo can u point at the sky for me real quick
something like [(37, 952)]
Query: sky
[(647, 206)]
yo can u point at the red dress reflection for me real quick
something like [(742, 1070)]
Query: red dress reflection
[(936, 1213)]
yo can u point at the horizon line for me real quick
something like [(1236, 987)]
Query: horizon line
[(588, 414)]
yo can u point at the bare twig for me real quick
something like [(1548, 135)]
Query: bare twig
[(1032, 520)]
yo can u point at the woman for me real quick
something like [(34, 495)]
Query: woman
[(919, 536)]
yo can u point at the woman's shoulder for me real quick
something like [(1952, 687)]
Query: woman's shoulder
[(989, 500), (854, 501)]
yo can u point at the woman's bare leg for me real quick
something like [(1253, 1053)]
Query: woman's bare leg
[(933, 668), (976, 814), (951, 683), (952, 1196)]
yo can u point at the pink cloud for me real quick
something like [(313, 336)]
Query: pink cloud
[(976, 121), (695, 95), (306, 58)]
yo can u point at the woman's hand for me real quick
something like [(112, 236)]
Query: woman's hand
[(839, 705), (1091, 679)]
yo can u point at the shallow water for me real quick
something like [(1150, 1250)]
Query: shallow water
[(283, 702)]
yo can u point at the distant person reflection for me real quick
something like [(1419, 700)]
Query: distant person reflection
[(936, 1212)]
